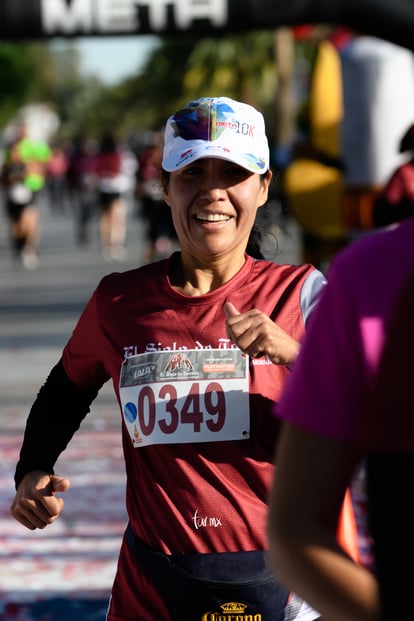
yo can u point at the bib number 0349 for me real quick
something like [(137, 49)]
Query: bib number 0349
[(195, 409), (170, 400)]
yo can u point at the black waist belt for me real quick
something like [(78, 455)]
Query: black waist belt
[(228, 586)]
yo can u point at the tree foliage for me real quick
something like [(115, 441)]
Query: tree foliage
[(31, 72), (186, 68), (179, 69), (16, 68)]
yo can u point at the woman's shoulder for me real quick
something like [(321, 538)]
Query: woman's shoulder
[(267, 268)]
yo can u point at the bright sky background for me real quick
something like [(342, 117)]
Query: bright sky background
[(114, 58)]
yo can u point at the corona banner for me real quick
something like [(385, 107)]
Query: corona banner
[(35, 19)]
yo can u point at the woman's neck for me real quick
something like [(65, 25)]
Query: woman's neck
[(192, 278)]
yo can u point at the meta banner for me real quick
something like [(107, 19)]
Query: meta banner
[(50, 18), (32, 19)]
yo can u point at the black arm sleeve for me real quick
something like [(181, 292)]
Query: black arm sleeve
[(57, 412)]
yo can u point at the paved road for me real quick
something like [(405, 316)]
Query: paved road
[(38, 309), (76, 557)]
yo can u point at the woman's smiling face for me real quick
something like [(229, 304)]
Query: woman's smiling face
[(214, 204)]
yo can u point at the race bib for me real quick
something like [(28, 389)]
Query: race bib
[(191, 395)]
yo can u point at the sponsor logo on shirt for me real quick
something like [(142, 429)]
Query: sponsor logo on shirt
[(230, 611)]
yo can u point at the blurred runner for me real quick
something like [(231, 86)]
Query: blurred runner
[(111, 183), (23, 177), (154, 210)]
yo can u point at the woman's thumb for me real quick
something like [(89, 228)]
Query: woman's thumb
[(230, 310), (59, 484)]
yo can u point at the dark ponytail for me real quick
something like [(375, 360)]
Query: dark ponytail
[(254, 243)]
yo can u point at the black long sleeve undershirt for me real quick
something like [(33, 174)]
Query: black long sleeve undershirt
[(56, 414)]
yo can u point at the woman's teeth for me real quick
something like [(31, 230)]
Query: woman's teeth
[(213, 217)]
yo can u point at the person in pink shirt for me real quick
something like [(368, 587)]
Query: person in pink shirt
[(347, 402), (390, 473)]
